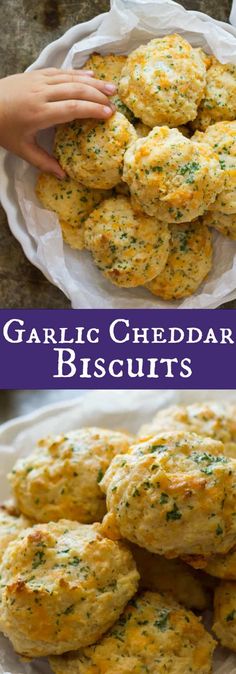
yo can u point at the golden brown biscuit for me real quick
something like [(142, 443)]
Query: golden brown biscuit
[(128, 247), (62, 586), (222, 566), (188, 264), (219, 102), (222, 138), (225, 614), (92, 151), (224, 224), (141, 129), (159, 574), (213, 419), (173, 494), (154, 634), (109, 68), (172, 177), (60, 478), (10, 527), (163, 81), (72, 203)]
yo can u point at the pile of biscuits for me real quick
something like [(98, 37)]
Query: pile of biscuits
[(146, 187), (114, 546)]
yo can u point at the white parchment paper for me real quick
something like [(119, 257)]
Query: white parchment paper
[(113, 409), (129, 23)]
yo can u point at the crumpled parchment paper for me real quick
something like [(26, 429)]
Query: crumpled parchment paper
[(112, 409), (128, 24)]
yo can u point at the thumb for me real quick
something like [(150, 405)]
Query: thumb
[(35, 155)]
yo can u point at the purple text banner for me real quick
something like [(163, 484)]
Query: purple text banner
[(120, 349)]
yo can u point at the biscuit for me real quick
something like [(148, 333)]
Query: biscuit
[(109, 68), (154, 634), (225, 614), (60, 478), (222, 566), (128, 247), (72, 203), (224, 224), (163, 81), (213, 419), (92, 151), (219, 102), (62, 586), (10, 527), (173, 494), (159, 574), (172, 177), (222, 138), (188, 264)]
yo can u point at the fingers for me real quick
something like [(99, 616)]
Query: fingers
[(107, 88), (67, 111), (59, 73), (73, 92), (39, 158)]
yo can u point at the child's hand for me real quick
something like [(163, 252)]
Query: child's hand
[(42, 98)]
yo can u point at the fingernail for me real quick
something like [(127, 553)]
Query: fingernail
[(60, 176), (110, 88), (107, 110)]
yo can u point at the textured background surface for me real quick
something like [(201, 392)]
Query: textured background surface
[(26, 27)]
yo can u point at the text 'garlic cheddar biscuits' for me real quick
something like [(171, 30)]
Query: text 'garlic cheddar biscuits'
[(174, 495), (172, 177), (72, 203), (92, 152), (128, 247), (219, 102), (60, 478), (62, 586), (211, 419), (222, 139), (163, 82), (159, 574), (154, 634), (189, 262), (10, 527), (109, 67), (225, 614), (224, 224)]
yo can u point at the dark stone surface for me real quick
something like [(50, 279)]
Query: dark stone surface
[(26, 27)]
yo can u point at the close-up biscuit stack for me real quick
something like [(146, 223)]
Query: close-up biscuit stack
[(114, 548), (145, 189)]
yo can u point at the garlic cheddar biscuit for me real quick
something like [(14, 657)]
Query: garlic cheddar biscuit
[(222, 138), (222, 566), (61, 477), (163, 81), (188, 264), (10, 527), (109, 67), (128, 247), (219, 102), (172, 177), (173, 494), (213, 419), (92, 151), (72, 203), (224, 224), (62, 586), (159, 574), (154, 634), (224, 625)]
